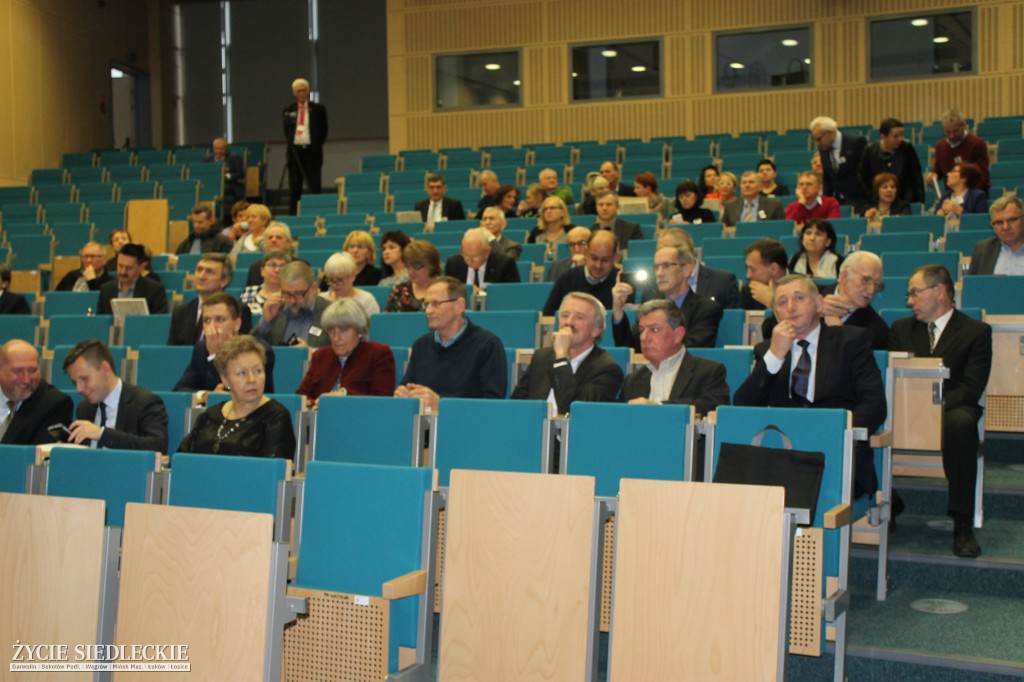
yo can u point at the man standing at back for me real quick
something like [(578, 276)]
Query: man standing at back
[(893, 154), (234, 172), (959, 145), (305, 131), (840, 156), (29, 404)]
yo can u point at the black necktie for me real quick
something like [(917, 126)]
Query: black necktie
[(103, 414), (476, 277), (802, 372), (931, 336)]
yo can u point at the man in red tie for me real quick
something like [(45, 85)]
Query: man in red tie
[(305, 131)]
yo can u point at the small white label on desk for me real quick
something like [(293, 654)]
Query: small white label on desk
[(360, 600)]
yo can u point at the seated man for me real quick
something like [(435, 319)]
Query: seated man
[(766, 264), (810, 202), (277, 237), (753, 206), (234, 172), (548, 179), (29, 405), (612, 172), (718, 285), (608, 219), (10, 302), (93, 273), (672, 268), (297, 323), (222, 320), (671, 375), (578, 241), (1002, 254), (596, 278), (478, 264), (456, 358), (438, 207), (573, 368), (493, 219), (212, 276), (808, 364), (113, 414), (203, 238), (488, 183), (130, 283), (937, 330)]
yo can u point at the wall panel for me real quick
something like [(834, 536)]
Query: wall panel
[(470, 129), (596, 20), (479, 27)]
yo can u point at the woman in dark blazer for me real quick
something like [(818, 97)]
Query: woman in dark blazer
[(961, 196), (350, 365)]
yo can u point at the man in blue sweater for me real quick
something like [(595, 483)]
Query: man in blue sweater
[(456, 359)]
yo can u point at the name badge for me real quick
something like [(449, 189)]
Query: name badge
[(762, 215), (316, 331)]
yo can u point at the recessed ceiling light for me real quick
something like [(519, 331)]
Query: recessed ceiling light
[(638, 69), (609, 53), (807, 60), (575, 75), (492, 67), (116, 73), (736, 65), (919, 22), (789, 42), (517, 82), (940, 39)]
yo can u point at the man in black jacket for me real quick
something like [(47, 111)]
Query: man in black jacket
[(438, 207), (131, 284), (213, 274), (113, 414), (478, 263), (840, 156), (305, 131), (93, 273), (203, 238), (29, 405)]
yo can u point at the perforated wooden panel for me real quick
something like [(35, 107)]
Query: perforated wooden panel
[(1004, 413), (339, 639), (606, 574), (805, 606), (439, 568)]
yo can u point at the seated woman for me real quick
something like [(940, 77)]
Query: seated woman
[(885, 190), (594, 186), (687, 205), (552, 225), (350, 365), (249, 424), (257, 217), (506, 197), (646, 185), (727, 184), (817, 256), (962, 195), (393, 268), (238, 227), (423, 263), (340, 273), (707, 186), (360, 244), (530, 206), (255, 295)]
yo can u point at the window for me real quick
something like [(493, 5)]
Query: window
[(477, 80), (616, 70), (778, 58), (921, 45)]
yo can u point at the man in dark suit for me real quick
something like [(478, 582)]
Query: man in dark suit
[(10, 302), (305, 131), (234, 172), (297, 321), (578, 241), (439, 207), (720, 286), (840, 162), (203, 238), (965, 346), (222, 320), (93, 273), (113, 414), (131, 284), (612, 172), (213, 274), (766, 265), (891, 153), (493, 218), (608, 219), (753, 206), (596, 278), (672, 268), (672, 375), (573, 368), (808, 364), (1002, 254), (478, 264), (29, 404)]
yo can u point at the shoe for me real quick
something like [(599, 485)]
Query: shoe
[(964, 543), (896, 507)]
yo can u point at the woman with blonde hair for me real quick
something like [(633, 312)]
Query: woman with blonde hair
[(360, 244), (553, 223), (257, 217)]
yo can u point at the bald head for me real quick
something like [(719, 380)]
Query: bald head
[(579, 234), (19, 370)]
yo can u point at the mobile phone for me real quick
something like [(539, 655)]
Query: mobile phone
[(59, 433), (638, 279), (292, 340)]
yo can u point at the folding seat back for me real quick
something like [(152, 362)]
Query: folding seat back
[(320, 204), (178, 404), (529, 296), (738, 363), (352, 429), (896, 241), (19, 327), (14, 463), (712, 247), (289, 368), (903, 263), (115, 476), (247, 484), (189, 155), (964, 240), (516, 329), (158, 368), (397, 330), (146, 330), (931, 224), (997, 295), (378, 162), (64, 330), (78, 159)]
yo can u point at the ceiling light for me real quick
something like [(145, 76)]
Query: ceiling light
[(575, 75), (807, 60), (789, 42), (639, 69), (736, 65), (517, 82), (940, 39), (116, 73), (492, 67), (919, 22), (609, 53)]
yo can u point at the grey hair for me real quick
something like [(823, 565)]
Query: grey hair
[(345, 313), (1004, 202), (481, 234), (600, 313), (857, 258), (673, 313), (340, 264), (297, 270), (684, 256), (952, 115), (825, 123)]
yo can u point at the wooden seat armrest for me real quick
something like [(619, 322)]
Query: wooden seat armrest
[(406, 585), (293, 567), (882, 439), (838, 516)]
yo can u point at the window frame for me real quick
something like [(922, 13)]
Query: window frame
[(868, 21), (811, 81), (435, 87), (658, 40)]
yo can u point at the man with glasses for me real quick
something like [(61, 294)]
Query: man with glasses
[(1002, 254), (596, 278), (437, 206), (478, 263), (959, 146), (113, 414), (840, 156), (456, 358), (93, 273), (578, 240), (277, 237), (292, 317), (212, 276), (673, 266), (937, 330)]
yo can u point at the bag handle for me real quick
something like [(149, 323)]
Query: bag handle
[(787, 444)]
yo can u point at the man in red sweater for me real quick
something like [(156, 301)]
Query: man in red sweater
[(959, 145), (810, 203)]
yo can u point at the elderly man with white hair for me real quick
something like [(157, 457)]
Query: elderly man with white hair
[(488, 182), (305, 131), (478, 263), (840, 161), (493, 219)]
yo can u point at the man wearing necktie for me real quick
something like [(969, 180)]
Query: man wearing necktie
[(840, 155), (305, 131), (753, 206), (477, 264), (965, 346), (438, 207), (809, 364)]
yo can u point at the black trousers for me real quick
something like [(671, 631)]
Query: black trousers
[(304, 164), (960, 458)]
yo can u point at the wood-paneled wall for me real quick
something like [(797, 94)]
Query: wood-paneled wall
[(419, 29)]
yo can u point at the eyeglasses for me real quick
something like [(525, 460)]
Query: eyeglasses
[(666, 266), (295, 295), (274, 266), (579, 245), (255, 373), (427, 305), (336, 281), (1013, 220), (914, 293), (552, 208), (866, 280)]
